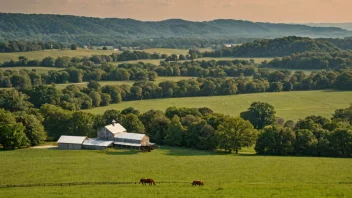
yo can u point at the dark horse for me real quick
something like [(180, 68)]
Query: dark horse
[(197, 182), (147, 181)]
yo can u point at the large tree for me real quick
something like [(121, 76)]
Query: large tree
[(175, 132), (275, 140), (341, 142), (260, 114), (57, 121), (83, 124), (11, 133), (235, 133), (132, 123), (34, 129), (13, 100)]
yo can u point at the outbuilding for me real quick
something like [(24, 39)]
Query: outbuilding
[(96, 144), (131, 140), (71, 142)]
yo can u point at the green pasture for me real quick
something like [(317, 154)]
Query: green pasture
[(288, 105), (224, 175), (39, 55), (41, 70), (128, 82)]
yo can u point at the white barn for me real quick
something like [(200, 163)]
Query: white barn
[(96, 144), (71, 142), (131, 140), (108, 136), (109, 131)]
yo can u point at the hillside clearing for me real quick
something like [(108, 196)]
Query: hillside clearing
[(224, 175), (288, 105)]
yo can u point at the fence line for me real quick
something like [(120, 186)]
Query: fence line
[(83, 183)]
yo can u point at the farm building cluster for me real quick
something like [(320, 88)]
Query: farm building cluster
[(113, 135)]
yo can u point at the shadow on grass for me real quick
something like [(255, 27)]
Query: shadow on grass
[(174, 151), (332, 90)]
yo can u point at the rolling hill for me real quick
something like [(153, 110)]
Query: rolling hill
[(64, 28)]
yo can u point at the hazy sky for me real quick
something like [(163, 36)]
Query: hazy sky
[(296, 11)]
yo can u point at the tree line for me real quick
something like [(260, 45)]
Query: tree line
[(281, 47), (198, 128), (140, 71), (175, 42), (75, 97), (27, 46), (313, 60), (65, 61)]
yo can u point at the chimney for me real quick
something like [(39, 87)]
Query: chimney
[(113, 122)]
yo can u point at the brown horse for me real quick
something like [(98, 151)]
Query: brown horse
[(147, 181), (198, 182)]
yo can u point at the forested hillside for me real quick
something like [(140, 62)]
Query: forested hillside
[(346, 26), (86, 30), (313, 60), (282, 47)]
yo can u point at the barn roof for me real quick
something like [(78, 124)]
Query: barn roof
[(72, 139), (97, 142), (115, 128), (130, 136), (127, 144)]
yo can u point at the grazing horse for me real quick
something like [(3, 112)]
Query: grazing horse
[(197, 182), (147, 181)]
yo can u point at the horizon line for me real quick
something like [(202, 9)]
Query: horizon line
[(166, 19)]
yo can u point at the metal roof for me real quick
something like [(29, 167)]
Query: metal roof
[(97, 142), (116, 128), (127, 144), (72, 139), (130, 136)]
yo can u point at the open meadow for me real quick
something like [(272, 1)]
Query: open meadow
[(39, 55), (224, 175), (288, 105)]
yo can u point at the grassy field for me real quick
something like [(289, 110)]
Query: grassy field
[(288, 105), (41, 70), (39, 55), (128, 82), (224, 175)]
